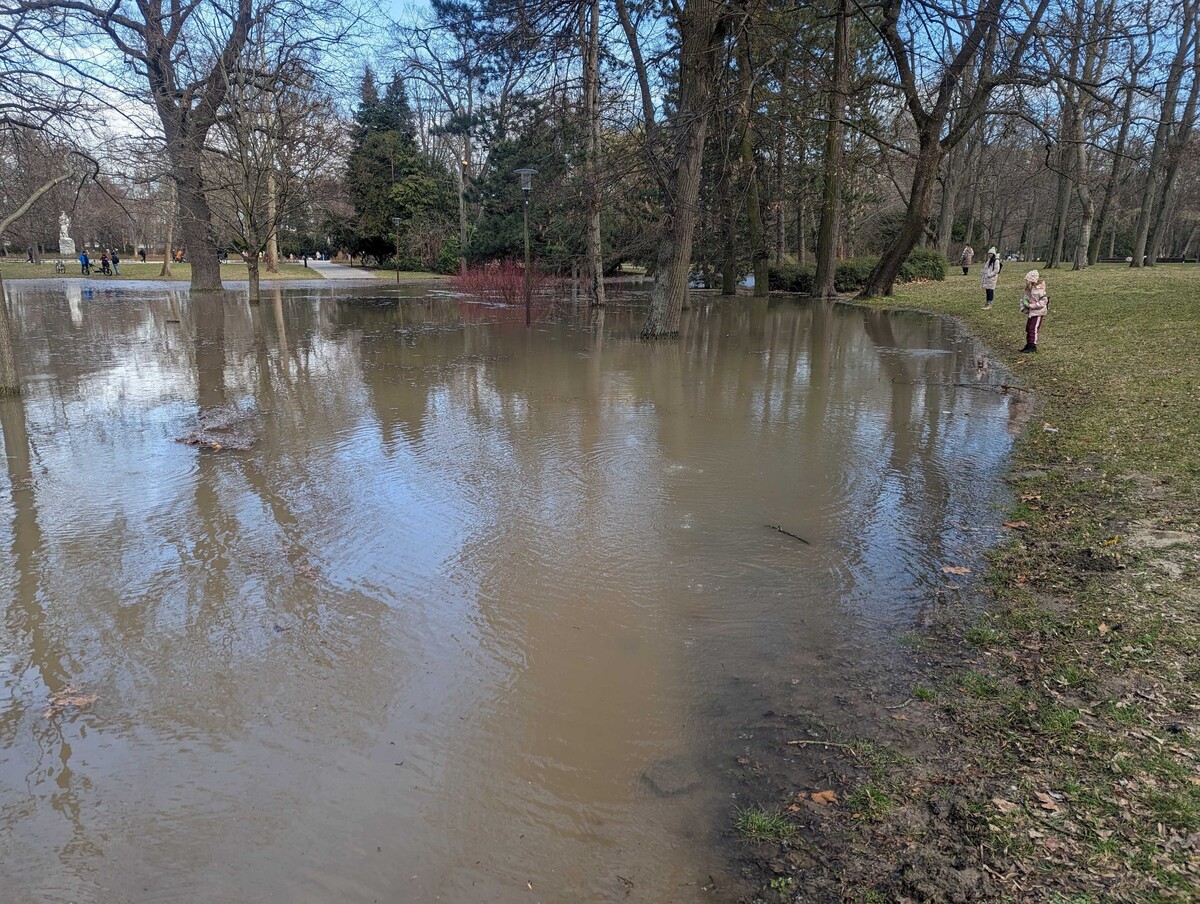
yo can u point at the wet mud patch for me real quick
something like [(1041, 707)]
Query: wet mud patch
[(225, 428)]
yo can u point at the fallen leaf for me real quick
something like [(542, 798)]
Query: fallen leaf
[(1048, 803), (1031, 497), (1103, 629), (955, 569), (824, 798), (1016, 525), (1004, 806)]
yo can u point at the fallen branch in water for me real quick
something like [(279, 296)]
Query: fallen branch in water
[(789, 533), (849, 748)]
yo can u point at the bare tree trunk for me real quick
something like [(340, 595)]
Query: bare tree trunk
[(830, 234), (1176, 155), (169, 238), (196, 224), (974, 144), (757, 234), (801, 234), (702, 31), (777, 203), (1114, 179), (273, 223), (949, 202), (10, 383), (729, 224), (883, 277), (594, 252), (254, 277), (1062, 210), (1162, 134)]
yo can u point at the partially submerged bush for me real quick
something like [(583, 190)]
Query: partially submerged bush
[(500, 282)]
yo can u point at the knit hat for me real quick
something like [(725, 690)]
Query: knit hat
[(1033, 276), (992, 250)]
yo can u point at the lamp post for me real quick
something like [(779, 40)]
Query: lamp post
[(396, 224), (526, 175)]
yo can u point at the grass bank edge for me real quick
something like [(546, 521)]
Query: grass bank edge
[(1086, 656)]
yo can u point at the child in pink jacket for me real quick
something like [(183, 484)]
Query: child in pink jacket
[(1034, 304)]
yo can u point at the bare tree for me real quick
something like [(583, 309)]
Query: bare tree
[(932, 48)]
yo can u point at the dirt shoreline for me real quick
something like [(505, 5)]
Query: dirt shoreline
[(1025, 755)]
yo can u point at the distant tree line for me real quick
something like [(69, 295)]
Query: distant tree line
[(701, 141)]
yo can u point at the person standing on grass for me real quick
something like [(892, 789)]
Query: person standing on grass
[(991, 273), (1034, 304), (116, 262), (966, 258), (85, 264)]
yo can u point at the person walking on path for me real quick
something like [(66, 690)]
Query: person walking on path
[(991, 273), (966, 258), (1034, 304)]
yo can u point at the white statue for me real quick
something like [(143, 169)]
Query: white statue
[(66, 244)]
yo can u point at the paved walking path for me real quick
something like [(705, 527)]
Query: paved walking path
[(330, 270)]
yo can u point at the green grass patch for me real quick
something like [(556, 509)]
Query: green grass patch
[(976, 684), (757, 824), (134, 270), (869, 802)]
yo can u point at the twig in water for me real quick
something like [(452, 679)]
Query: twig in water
[(789, 533)]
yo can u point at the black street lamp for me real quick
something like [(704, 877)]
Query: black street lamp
[(526, 175), (396, 223)]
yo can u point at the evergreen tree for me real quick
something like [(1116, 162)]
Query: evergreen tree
[(388, 176)]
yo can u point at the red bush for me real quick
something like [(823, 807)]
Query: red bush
[(500, 282)]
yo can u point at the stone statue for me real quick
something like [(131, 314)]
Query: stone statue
[(66, 244)]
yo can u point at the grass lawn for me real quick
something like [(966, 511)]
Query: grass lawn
[(136, 270), (1072, 717), (405, 275)]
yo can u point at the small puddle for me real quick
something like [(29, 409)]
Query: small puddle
[(476, 613)]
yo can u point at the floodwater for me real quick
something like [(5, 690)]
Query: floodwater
[(478, 614)]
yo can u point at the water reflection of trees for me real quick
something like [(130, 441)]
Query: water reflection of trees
[(479, 491)]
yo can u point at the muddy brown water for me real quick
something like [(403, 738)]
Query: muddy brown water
[(479, 614)]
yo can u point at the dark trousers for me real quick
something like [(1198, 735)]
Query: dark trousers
[(965, 271), (1032, 326), (991, 295)]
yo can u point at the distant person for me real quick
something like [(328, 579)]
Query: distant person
[(105, 265), (85, 263), (179, 256), (116, 262), (966, 259), (142, 253), (305, 258), (991, 273), (1034, 304), (30, 256)]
